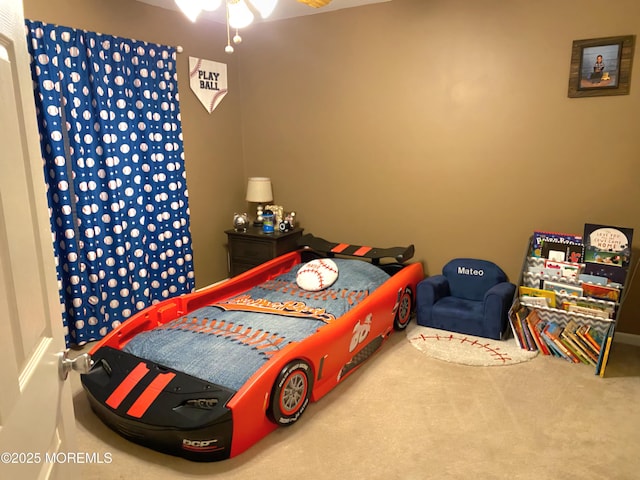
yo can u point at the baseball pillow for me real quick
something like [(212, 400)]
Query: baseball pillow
[(317, 275)]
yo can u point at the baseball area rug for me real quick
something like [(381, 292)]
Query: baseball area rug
[(466, 349)]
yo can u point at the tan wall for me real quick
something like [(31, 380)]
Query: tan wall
[(443, 123), (212, 143)]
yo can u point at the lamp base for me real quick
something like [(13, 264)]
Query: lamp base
[(260, 211)]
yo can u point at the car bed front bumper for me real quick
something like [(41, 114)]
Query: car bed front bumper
[(158, 407)]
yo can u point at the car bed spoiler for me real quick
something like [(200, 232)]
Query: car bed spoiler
[(330, 249)]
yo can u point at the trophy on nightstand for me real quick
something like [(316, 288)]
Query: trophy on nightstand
[(240, 222)]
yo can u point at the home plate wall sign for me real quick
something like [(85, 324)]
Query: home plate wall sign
[(208, 80)]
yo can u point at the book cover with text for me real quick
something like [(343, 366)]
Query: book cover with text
[(608, 245)]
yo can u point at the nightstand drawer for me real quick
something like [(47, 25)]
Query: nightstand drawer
[(251, 248), (237, 268)]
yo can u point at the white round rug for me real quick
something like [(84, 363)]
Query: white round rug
[(466, 349)]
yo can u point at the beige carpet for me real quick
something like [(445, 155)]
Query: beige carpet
[(406, 416)]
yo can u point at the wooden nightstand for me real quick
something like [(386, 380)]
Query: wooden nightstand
[(253, 247)]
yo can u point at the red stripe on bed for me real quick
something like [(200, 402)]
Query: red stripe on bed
[(125, 387), (339, 248), (362, 251), (150, 393)]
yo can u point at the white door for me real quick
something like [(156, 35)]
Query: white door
[(36, 410)]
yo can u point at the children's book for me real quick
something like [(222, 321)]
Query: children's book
[(601, 292), (594, 312), (562, 252), (549, 296), (572, 330), (593, 337), (604, 352), (595, 279), (563, 288), (608, 245), (553, 332), (536, 325), (563, 269), (584, 352), (612, 273), (539, 237), (516, 327)]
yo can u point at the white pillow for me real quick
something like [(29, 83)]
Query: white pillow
[(317, 274)]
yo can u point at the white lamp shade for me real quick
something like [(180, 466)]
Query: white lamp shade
[(259, 190), (265, 7), (190, 8), (239, 14)]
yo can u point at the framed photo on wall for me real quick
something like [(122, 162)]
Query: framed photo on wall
[(601, 66)]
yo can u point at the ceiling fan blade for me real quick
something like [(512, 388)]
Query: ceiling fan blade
[(315, 3)]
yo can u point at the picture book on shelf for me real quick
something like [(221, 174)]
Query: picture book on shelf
[(548, 295), (596, 279), (604, 351), (592, 337), (606, 306), (594, 312), (552, 332), (581, 334), (571, 332), (536, 324), (575, 348), (605, 357), (563, 269), (516, 326), (562, 252), (562, 288), (601, 292), (608, 245), (612, 273), (540, 237)]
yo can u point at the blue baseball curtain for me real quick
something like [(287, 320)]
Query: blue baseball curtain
[(111, 140)]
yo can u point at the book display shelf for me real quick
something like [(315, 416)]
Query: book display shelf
[(570, 291)]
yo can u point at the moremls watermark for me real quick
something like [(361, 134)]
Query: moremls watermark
[(22, 458)]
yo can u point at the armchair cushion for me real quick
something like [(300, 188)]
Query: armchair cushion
[(471, 296)]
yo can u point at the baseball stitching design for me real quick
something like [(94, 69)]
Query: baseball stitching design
[(320, 269)]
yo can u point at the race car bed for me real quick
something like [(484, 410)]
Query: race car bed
[(206, 375)]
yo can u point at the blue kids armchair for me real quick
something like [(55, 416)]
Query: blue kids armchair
[(471, 297)]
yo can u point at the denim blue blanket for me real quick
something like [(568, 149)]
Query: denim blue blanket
[(225, 343)]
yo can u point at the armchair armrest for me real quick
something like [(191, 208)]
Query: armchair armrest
[(432, 289), (428, 292), (501, 290), (497, 302)]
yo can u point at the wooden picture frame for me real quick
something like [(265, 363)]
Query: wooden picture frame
[(601, 66)]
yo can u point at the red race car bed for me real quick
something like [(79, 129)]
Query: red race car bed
[(206, 375)]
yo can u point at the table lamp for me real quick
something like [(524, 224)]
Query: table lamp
[(259, 191)]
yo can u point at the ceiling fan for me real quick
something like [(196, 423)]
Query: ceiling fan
[(316, 3), (239, 13)]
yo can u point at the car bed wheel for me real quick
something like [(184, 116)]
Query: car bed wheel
[(291, 392), (403, 313)]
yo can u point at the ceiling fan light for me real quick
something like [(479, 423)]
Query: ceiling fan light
[(190, 8), (239, 14), (316, 3), (210, 5), (264, 7)]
